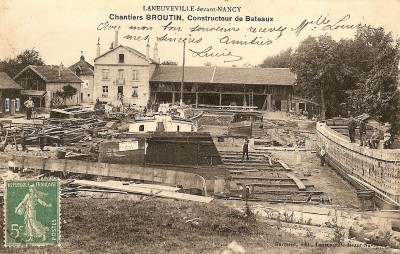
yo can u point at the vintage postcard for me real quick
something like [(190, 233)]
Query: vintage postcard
[(213, 126), (32, 212)]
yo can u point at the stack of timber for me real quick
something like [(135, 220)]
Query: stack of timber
[(161, 191)]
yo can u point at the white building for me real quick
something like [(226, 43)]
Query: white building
[(123, 74)]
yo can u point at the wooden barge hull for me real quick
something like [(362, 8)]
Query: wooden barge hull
[(374, 169)]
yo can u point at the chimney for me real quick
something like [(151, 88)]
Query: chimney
[(60, 68), (98, 47), (82, 57), (116, 39), (148, 49), (155, 52)]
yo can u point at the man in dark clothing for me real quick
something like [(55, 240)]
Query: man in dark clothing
[(363, 133), (42, 139), (352, 129), (23, 140), (245, 148), (29, 107)]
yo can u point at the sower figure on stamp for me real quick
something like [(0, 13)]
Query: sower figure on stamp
[(29, 107), (352, 129), (27, 207), (363, 133), (245, 148)]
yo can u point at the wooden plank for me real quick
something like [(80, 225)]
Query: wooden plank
[(127, 185), (264, 178), (298, 182), (135, 188), (277, 148), (286, 192), (273, 184), (284, 165)]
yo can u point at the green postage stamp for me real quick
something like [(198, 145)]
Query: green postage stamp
[(32, 212)]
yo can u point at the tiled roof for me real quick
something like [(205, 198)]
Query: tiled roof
[(50, 74), (167, 73), (85, 67), (8, 83), (225, 75)]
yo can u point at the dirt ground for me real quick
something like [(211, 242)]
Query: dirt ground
[(323, 177), (156, 225)]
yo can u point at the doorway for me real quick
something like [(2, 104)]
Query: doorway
[(120, 92), (278, 105)]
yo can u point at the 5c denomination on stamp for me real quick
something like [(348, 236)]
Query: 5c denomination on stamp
[(32, 212)]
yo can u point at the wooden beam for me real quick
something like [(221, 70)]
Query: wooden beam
[(273, 184), (160, 191), (284, 165), (298, 182), (264, 178)]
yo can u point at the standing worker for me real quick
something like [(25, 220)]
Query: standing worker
[(245, 148), (363, 133), (322, 154), (42, 139), (387, 139), (352, 129), (23, 140), (29, 107)]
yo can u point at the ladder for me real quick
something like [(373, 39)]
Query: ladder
[(251, 98)]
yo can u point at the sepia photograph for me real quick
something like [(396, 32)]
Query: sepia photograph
[(220, 127)]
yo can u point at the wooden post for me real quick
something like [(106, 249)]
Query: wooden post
[(197, 99), (173, 94), (220, 94), (244, 96), (183, 74)]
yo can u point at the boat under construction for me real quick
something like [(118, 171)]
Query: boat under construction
[(374, 170)]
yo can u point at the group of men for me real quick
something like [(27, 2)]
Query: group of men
[(373, 141)]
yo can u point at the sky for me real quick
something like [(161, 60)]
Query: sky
[(60, 30)]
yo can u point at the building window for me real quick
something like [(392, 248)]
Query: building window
[(85, 83), (88, 95), (177, 128), (141, 127), (105, 73), (121, 58), (135, 75), (105, 89), (78, 71), (7, 105), (120, 74), (135, 91), (17, 104)]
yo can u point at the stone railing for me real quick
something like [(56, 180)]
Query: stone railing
[(377, 167)]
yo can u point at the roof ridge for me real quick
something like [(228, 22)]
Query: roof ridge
[(130, 49)]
